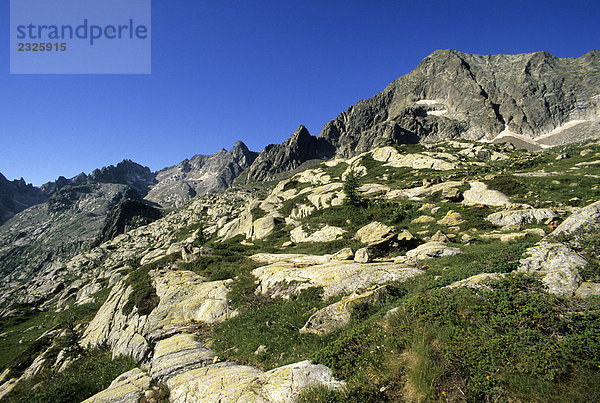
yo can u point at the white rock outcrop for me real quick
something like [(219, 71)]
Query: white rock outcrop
[(288, 277), (326, 234), (518, 217), (393, 158), (557, 264), (432, 249), (228, 382), (480, 194)]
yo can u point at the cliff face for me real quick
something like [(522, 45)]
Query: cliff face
[(16, 196), (48, 233), (459, 95), (277, 158)]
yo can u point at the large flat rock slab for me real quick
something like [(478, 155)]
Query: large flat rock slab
[(178, 354), (286, 278), (126, 388), (186, 298), (228, 382)]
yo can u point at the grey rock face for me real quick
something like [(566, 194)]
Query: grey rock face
[(126, 215), (582, 220), (16, 196), (128, 173), (178, 354), (200, 175), (278, 158), (453, 94), (518, 217), (557, 264)]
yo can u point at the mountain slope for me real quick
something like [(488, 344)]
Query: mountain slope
[(49, 233), (438, 261), (459, 95)]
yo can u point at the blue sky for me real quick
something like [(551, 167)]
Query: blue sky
[(253, 71)]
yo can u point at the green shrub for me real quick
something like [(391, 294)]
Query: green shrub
[(143, 295), (507, 184), (257, 213), (353, 351), (227, 260), (90, 374), (494, 336), (351, 185)]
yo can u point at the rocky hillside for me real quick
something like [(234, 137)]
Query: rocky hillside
[(456, 270), (532, 99), (71, 215), (200, 175), (41, 238), (67, 216)]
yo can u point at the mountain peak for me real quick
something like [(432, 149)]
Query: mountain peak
[(199, 175)]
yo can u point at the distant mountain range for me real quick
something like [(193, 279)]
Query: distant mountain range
[(167, 188)]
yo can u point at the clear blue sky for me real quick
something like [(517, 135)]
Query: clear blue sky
[(253, 71)]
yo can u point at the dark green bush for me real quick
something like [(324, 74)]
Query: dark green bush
[(351, 185), (507, 184), (144, 295), (353, 351), (492, 336)]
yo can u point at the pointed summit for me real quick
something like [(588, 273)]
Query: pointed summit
[(300, 147)]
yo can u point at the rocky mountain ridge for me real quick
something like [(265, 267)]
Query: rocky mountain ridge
[(16, 196), (533, 99), (200, 175), (167, 188)]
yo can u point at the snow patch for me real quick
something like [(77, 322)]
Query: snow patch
[(563, 127), (509, 133), (428, 102), (441, 112)]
